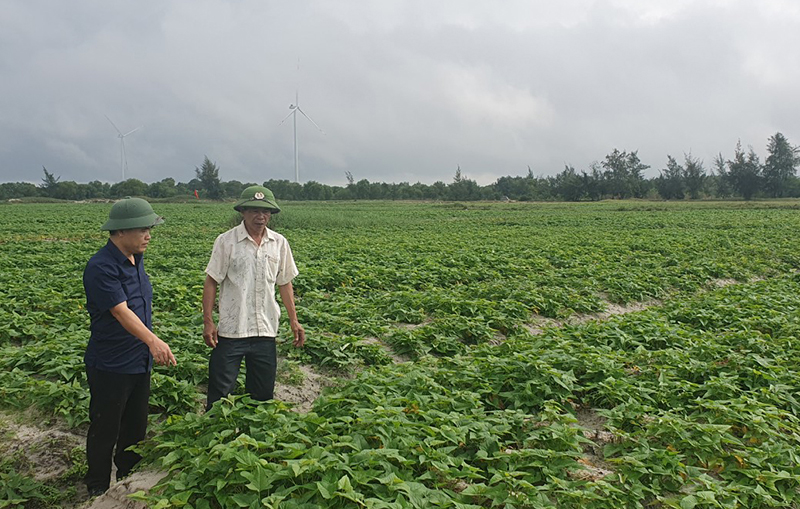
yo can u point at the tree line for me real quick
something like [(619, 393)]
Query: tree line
[(619, 175)]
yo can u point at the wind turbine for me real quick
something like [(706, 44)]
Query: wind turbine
[(293, 113), (123, 159)]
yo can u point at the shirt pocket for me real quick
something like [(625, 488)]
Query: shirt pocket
[(273, 265), (242, 269)]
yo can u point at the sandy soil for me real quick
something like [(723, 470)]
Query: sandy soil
[(45, 451), (117, 495), (537, 325), (594, 466), (303, 396)]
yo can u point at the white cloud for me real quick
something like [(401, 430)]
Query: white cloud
[(485, 100)]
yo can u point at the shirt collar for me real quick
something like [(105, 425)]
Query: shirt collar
[(241, 233), (117, 255)]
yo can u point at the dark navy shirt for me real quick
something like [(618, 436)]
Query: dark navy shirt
[(109, 279)]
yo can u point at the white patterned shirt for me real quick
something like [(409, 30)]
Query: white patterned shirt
[(247, 274)]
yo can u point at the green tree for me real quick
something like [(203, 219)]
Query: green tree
[(670, 182), (163, 189), (10, 190), (438, 191), (513, 188), (234, 188), (420, 190), (49, 183), (780, 165), (624, 173), (595, 185), (313, 190), (462, 188), (362, 190), (745, 172), (723, 187), (285, 189), (694, 176), (97, 189), (70, 190), (568, 185), (208, 175), (130, 187)]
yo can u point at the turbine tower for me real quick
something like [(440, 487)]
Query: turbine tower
[(123, 159), (293, 113)]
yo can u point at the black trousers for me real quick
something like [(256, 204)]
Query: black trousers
[(118, 417), (261, 361)]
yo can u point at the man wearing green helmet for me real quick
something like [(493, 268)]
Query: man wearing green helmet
[(246, 264), (122, 345)]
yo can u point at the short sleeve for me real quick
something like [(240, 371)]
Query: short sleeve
[(103, 286), (287, 269), (217, 266)]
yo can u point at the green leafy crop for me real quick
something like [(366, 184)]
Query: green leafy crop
[(511, 395)]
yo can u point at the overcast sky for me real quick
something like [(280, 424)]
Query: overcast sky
[(405, 91)]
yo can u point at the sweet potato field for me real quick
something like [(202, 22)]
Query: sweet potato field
[(609, 355)]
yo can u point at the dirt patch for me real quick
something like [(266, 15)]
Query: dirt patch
[(593, 469), (498, 339), (722, 283), (303, 395), (117, 495), (594, 465), (617, 309), (539, 323), (412, 326), (594, 426), (44, 452), (589, 419), (613, 309)]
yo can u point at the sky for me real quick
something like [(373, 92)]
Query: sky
[(403, 90)]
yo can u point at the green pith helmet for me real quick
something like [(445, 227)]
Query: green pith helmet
[(131, 213), (257, 197)]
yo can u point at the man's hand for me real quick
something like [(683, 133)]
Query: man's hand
[(299, 333), (209, 300), (287, 296), (210, 334), (162, 355)]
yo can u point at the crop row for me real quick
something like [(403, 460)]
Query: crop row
[(423, 279), (455, 288), (699, 400)]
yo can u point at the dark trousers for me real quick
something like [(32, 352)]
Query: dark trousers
[(118, 417), (260, 360)]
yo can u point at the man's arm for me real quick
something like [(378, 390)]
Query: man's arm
[(161, 352), (287, 296), (209, 299)]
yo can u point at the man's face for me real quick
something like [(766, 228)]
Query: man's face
[(135, 240), (256, 218)]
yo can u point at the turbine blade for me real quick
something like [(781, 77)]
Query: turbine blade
[(309, 119), (130, 132), (287, 116), (112, 123)]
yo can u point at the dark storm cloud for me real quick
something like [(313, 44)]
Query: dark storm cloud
[(405, 91)]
